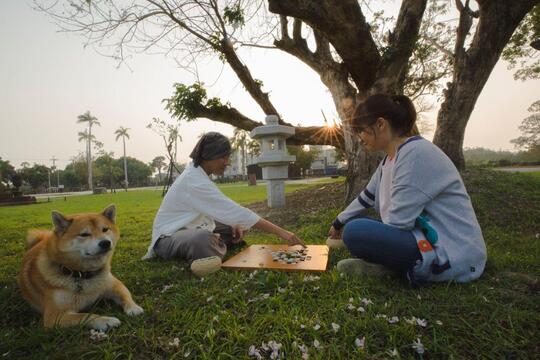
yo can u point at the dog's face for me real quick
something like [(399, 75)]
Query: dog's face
[(86, 241)]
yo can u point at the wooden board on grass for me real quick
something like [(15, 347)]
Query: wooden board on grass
[(260, 257)]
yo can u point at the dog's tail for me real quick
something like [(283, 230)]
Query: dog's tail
[(35, 236)]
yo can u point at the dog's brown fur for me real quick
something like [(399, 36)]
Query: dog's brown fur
[(74, 244)]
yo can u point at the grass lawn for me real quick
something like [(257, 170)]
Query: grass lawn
[(221, 316)]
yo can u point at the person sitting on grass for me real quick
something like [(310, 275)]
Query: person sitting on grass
[(429, 230), (196, 221)]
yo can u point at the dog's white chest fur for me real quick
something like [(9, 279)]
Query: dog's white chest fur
[(69, 299)]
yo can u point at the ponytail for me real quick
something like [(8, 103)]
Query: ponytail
[(408, 113)]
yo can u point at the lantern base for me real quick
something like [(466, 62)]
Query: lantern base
[(275, 191)]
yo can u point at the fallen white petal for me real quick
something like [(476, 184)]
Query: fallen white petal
[(360, 343), (253, 351), (393, 352), (166, 287), (418, 346), (97, 335), (411, 321), (367, 301), (175, 342)]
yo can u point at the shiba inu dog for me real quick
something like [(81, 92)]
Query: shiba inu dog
[(69, 268)]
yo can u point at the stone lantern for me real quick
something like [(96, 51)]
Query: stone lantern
[(274, 159)]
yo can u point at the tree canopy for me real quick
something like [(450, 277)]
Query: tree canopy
[(442, 48), (530, 130)]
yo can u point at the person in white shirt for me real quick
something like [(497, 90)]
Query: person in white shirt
[(196, 220)]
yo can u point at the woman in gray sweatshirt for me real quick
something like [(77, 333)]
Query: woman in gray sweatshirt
[(429, 230)]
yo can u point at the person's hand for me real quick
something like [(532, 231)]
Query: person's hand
[(333, 233), (292, 239), (238, 234)]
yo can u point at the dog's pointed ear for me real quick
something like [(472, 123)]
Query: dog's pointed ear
[(60, 222), (110, 213)]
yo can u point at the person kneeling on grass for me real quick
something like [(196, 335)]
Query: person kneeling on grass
[(196, 221), (429, 230)]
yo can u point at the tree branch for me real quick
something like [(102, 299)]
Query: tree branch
[(439, 46), (333, 74), (401, 46), (464, 26), (309, 135), (243, 73), (344, 25), (181, 23)]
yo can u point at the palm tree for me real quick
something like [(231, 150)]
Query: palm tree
[(158, 163), (239, 141), (91, 120), (122, 132)]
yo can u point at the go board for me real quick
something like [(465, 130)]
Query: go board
[(268, 257)]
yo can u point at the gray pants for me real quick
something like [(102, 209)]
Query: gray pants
[(193, 244)]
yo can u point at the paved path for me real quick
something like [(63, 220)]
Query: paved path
[(520, 169), (79, 193)]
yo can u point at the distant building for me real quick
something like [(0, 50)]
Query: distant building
[(236, 168), (325, 163)]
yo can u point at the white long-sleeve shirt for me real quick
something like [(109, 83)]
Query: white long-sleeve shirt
[(194, 201)]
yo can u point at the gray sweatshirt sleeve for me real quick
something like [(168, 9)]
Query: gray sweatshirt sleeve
[(364, 201)]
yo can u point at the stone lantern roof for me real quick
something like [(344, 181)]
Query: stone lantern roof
[(272, 128), (273, 146)]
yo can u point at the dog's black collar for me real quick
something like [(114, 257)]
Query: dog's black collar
[(78, 275)]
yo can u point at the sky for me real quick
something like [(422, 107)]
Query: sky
[(48, 78)]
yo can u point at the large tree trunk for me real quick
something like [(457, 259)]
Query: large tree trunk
[(497, 22), (360, 164), (342, 23), (360, 167)]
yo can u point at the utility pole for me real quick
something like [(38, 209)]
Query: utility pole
[(57, 172)]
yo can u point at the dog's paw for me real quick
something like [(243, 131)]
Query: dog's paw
[(134, 310), (104, 323)]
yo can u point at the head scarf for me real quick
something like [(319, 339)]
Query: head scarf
[(211, 146)]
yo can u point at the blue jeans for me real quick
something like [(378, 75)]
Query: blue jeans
[(380, 243)]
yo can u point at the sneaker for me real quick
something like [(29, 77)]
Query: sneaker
[(361, 267), (334, 243), (206, 266)]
